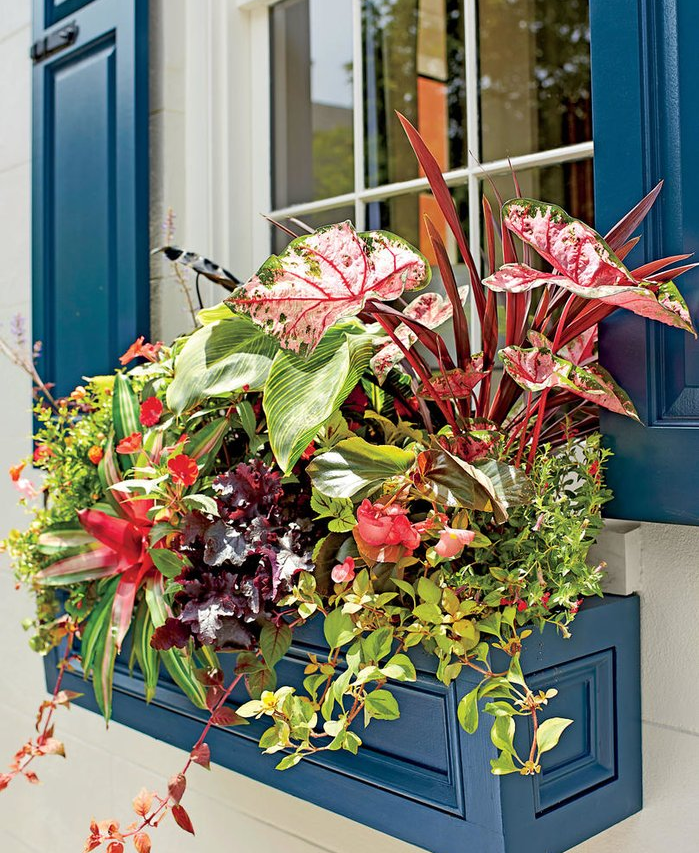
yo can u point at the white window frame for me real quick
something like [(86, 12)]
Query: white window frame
[(471, 174)]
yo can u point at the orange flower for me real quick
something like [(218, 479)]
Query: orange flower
[(78, 393), (42, 453), (151, 410), (183, 469), (95, 454), (16, 471), (139, 349), (130, 444)]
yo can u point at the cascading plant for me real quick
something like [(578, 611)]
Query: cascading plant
[(317, 449)]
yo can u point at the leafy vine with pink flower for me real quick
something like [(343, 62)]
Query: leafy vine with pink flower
[(321, 448)]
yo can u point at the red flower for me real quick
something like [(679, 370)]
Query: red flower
[(95, 454), (383, 532), (308, 452), (151, 410), (522, 605), (139, 349), (130, 444), (42, 453), (505, 602), (576, 606), (183, 469), (545, 599), (16, 471), (343, 572)]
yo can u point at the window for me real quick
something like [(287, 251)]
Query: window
[(481, 79)]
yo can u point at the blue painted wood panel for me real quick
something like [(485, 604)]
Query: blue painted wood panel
[(90, 188), (646, 124), (422, 778)]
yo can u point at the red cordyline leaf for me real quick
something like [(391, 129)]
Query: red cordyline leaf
[(429, 309), (182, 818), (324, 276), (440, 191), (461, 333), (539, 369), (583, 264), (621, 232)]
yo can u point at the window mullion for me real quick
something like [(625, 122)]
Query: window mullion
[(358, 123), (473, 141)]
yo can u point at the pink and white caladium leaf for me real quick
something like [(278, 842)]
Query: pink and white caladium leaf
[(430, 309), (582, 264), (583, 349), (538, 368), (325, 276), (456, 384)]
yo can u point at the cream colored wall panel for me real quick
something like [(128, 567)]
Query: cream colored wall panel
[(15, 88)]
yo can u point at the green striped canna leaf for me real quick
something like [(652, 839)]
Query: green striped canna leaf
[(302, 393), (125, 415), (178, 662), (147, 657), (222, 357)]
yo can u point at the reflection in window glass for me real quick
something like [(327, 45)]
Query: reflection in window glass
[(312, 101), (280, 239), (534, 75), (413, 63), (405, 215)]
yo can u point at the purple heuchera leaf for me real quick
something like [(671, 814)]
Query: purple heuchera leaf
[(583, 264), (325, 276), (430, 309), (242, 563)]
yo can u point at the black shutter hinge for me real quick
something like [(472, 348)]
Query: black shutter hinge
[(55, 41)]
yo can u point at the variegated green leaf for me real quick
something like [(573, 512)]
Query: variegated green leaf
[(178, 662), (125, 414), (222, 357), (148, 658), (302, 393)]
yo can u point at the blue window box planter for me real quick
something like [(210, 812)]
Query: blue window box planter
[(422, 778)]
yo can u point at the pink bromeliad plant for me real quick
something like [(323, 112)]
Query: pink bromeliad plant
[(321, 448)]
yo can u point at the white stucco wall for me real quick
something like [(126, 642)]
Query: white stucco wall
[(104, 770)]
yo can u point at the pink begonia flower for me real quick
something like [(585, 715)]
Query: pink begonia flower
[(26, 488), (378, 524), (452, 542), (343, 572)]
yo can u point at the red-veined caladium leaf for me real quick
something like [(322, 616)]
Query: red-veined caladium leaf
[(325, 276), (583, 349), (430, 309), (456, 384), (583, 264), (538, 368)]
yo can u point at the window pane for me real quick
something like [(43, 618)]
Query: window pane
[(280, 239), (569, 185), (312, 101), (534, 74), (413, 63), (405, 215)]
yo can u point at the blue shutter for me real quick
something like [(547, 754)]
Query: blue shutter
[(90, 184), (645, 67)]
